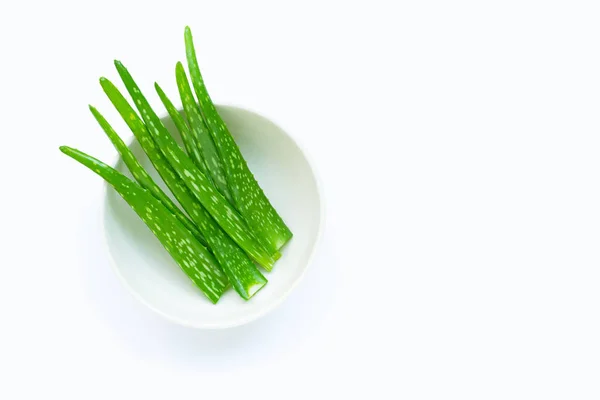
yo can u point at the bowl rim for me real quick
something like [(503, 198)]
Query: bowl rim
[(269, 306)]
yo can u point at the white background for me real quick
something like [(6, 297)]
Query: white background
[(459, 146)]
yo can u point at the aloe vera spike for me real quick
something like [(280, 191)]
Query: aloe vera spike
[(248, 196), (142, 177), (218, 207), (245, 277), (184, 130), (201, 134), (193, 258), (160, 163)]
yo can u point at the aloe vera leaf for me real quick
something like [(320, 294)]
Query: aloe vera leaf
[(142, 177), (160, 163), (218, 207), (189, 143), (248, 196), (201, 134), (245, 277), (193, 258)]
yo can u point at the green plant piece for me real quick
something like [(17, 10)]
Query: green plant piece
[(201, 187), (201, 134), (187, 137), (193, 258), (245, 277), (142, 177), (248, 196)]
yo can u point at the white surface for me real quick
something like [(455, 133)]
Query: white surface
[(459, 148), (288, 179)]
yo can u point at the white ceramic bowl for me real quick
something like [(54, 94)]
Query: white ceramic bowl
[(289, 181)]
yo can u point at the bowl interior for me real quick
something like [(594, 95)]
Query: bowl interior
[(289, 182)]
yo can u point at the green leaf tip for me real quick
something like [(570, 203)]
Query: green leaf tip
[(99, 117), (105, 82)]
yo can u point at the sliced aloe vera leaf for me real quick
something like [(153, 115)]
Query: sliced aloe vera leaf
[(201, 187), (248, 196), (187, 137), (160, 163), (201, 134), (193, 258), (142, 177), (245, 277)]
